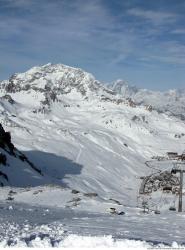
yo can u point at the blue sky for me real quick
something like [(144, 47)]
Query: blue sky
[(141, 41)]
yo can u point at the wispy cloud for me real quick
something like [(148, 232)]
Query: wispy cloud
[(17, 3), (85, 28), (156, 17), (88, 34), (180, 31)]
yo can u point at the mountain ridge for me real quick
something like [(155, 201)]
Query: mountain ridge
[(53, 80), (171, 101), (106, 138)]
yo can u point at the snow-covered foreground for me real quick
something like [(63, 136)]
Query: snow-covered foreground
[(43, 227), (59, 224), (75, 241)]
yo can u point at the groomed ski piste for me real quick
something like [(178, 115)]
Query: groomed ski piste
[(73, 179)]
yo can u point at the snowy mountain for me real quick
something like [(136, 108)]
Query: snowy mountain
[(79, 151), (51, 82), (171, 102), (82, 134)]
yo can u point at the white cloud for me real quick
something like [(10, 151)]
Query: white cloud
[(17, 3), (178, 31), (156, 17), (82, 33), (167, 52)]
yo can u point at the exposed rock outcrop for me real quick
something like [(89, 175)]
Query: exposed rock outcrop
[(8, 150)]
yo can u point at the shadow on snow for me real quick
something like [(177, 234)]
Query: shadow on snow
[(54, 166), (38, 168)]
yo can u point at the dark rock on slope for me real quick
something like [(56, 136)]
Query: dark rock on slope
[(7, 153)]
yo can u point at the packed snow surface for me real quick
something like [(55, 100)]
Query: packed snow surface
[(45, 226)]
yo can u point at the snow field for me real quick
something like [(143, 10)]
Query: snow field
[(79, 242)]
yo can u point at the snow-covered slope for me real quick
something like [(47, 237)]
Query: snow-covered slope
[(16, 169), (83, 135), (50, 82), (171, 102)]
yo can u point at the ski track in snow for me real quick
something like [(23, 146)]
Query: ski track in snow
[(78, 156)]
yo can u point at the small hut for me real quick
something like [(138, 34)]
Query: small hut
[(172, 155)]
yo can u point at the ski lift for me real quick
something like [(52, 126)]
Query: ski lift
[(145, 207), (172, 208), (173, 171), (167, 189), (157, 211)]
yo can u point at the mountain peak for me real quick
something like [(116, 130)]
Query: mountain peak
[(50, 76), (171, 101), (123, 88), (50, 82)]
